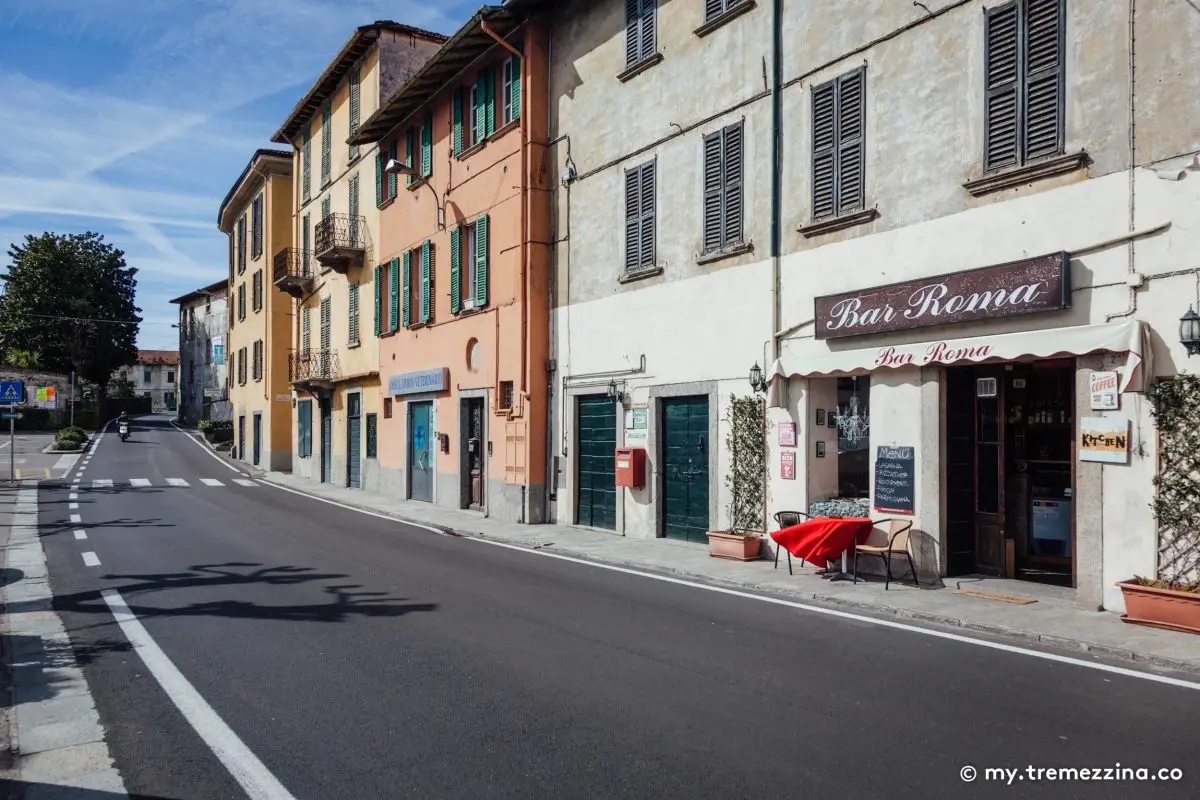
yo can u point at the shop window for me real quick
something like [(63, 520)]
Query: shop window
[(853, 422)]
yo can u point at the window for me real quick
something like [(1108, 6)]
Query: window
[(352, 322), (355, 91), (385, 185), (425, 267), (305, 241), (326, 208), (326, 324), (147, 375), (242, 366), (506, 394), (475, 112), (170, 376), (387, 408), (241, 302), (256, 292), (723, 189), (1023, 54), (372, 435), (241, 244), (639, 218), (304, 428), (257, 355), (427, 147), (510, 87), (306, 167), (838, 127), (469, 266), (394, 291), (640, 41), (326, 142), (715, 8), (406, 290), (256, 227), (305, 330), (352, 208), (853, 451)]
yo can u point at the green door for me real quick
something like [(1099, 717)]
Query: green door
[(596, 500), (685, 468)]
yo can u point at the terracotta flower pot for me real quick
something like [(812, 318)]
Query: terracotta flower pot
[(1161, 608), (734, 546)]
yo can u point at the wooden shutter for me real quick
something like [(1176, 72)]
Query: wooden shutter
[(713, 8), (426, 282), (241, 229), (455, 270), (1043, 50), (639, 217), (733, 159), (326, 323), (326, 211), (408, 155), (326, 142), (480, 131), (391, 192), (427, 147), (824, 150), (482, 262), (1001, 75), (457, 143), (639, 30), (258, 226), (378, 299), (352, 311), (355, 101), (394, 295), (352, 208), (489, 99), (851, 137), (378, 178), (406, 298), (305, 330), (306, 166), (514, 87), (306, 241), (713, 186)]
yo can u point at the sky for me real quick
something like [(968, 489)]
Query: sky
[(133, 118)]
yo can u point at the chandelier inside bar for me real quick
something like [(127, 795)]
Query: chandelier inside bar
[(853, 423)]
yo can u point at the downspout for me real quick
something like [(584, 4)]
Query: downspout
[(776, 172), (1131, 136)]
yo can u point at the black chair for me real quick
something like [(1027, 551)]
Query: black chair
[(786, 519)]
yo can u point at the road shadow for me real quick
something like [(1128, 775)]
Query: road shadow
[(39, 662), (48, 529), (17, 790)]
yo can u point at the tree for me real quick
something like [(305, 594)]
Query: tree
[(69, 299)]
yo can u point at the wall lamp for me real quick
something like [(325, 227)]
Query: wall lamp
[(614, 393), (1189, 331), (756, 378), (397, 167)]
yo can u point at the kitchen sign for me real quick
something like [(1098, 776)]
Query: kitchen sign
[(1004, 290), (1104, 440)]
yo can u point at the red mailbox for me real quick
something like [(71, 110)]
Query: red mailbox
[(631, 467)]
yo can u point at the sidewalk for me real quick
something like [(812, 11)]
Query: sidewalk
[(1051, 619)]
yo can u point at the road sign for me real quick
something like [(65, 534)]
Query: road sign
[(12, 391), (10, 415)]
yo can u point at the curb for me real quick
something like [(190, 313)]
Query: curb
[(240, 466), (82, 449), (868, 609)]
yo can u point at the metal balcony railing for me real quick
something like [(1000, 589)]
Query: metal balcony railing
[(314, 366), (340, 241), (293, 270)]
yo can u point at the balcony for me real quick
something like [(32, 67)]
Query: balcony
[(314, 370), (294, 271), (341, 242)]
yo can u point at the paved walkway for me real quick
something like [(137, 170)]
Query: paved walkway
[(1053, 619)]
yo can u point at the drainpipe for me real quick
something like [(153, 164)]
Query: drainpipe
[(776, 171)]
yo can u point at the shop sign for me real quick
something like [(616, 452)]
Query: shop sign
[(429, 380), (787, 434), (1004, 290), (1104, 440), (1106, 395), (787, 465)]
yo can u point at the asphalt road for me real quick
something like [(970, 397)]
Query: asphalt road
[(358, 657)]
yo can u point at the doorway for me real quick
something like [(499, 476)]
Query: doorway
[(1010, 448), (241, 453), (327, 440), (472, 462), (257, 437), (685, 468), (354, 440), (595, 454), (420, 451)]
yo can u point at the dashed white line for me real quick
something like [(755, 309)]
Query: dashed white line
[(253, 776), (244, 482), (73, 496), (211, 482), (140, 483), (80, 535), (177, 482), (73, 506), (75, 518), (90, 559), (102, 483)]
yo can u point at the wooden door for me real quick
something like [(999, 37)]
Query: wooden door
[(989, 470), (685, 468), (595, 452)]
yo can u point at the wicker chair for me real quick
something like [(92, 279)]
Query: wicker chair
[(897, 544)]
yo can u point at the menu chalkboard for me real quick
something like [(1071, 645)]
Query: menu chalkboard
[(895, 470)]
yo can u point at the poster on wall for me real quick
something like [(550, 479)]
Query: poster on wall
[(44, 397), (1104, 440), (895, 479), (218, 351), (787, 434), (1104, 391), (787, 465), (636, 425)]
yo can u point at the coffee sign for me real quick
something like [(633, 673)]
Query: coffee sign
[(1005, 290)]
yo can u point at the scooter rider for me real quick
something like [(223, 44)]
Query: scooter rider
[(123, 424)]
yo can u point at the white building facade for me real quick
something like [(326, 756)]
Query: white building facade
[(983, 215), (203, 321)]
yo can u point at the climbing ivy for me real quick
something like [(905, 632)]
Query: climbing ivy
[(746, 440), (1176, 504)]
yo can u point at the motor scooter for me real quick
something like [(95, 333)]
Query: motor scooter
[(123, 430)]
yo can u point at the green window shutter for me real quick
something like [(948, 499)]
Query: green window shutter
[(305, 242), (515, 96), (392, 176), (355, 101), (427, 147), (306, 167), (406, 300), (378, 179), (352, 311), (489, 99), (458, 121), (481, 261), (455, 270), (394, 295), (480, 132), (305, 329), (326, 207), (426, 280), (378, 299), (326, 142), (352, 208), (408, 154)]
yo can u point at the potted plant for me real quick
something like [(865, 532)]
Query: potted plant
[(746, 440), (1172, 599)]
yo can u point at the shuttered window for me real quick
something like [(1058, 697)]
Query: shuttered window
[(723, 171), (838, 152), (304, 428), (372, 435), (326, 207), (456, 271), (326, 142), (257, 360), (409, 147), (427, 147), (241, 302), (406, 280), (1024, 106), (639, 217), (457, 132), (306, 241), (241, 244), (482, 260), (378, 285), (715, 8), (326, 324), (426, 278), (640, 41), (352, 208), (510, 90), (355, 90), (305, 330), (256, 291), (352, 323), (394, 293), (256, 215), (306, 167)]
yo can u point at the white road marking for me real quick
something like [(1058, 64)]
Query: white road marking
[(222, 461), (75, 518), (253, 776), (73, 506), (73, 496), (90, 559), (211, 482), (65, 463), (80, 535), (244, 482), (140, 483), (177, 482), (885, 623), (102, 483)]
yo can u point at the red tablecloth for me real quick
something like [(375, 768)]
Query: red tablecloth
[(824, 539)]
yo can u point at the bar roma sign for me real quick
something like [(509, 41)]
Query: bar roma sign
[(1004, 290)]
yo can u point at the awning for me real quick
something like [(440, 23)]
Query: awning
[(1130, 337)]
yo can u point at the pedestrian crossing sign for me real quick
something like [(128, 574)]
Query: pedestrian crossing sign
[(12, 391)]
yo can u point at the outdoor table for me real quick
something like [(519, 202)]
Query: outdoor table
[(820, 540)]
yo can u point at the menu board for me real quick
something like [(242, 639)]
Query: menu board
[(895, 477)]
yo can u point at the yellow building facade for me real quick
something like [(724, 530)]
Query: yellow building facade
[(332, 351), (256, 216)]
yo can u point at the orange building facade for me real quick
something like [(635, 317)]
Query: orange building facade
[(462, 295)]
